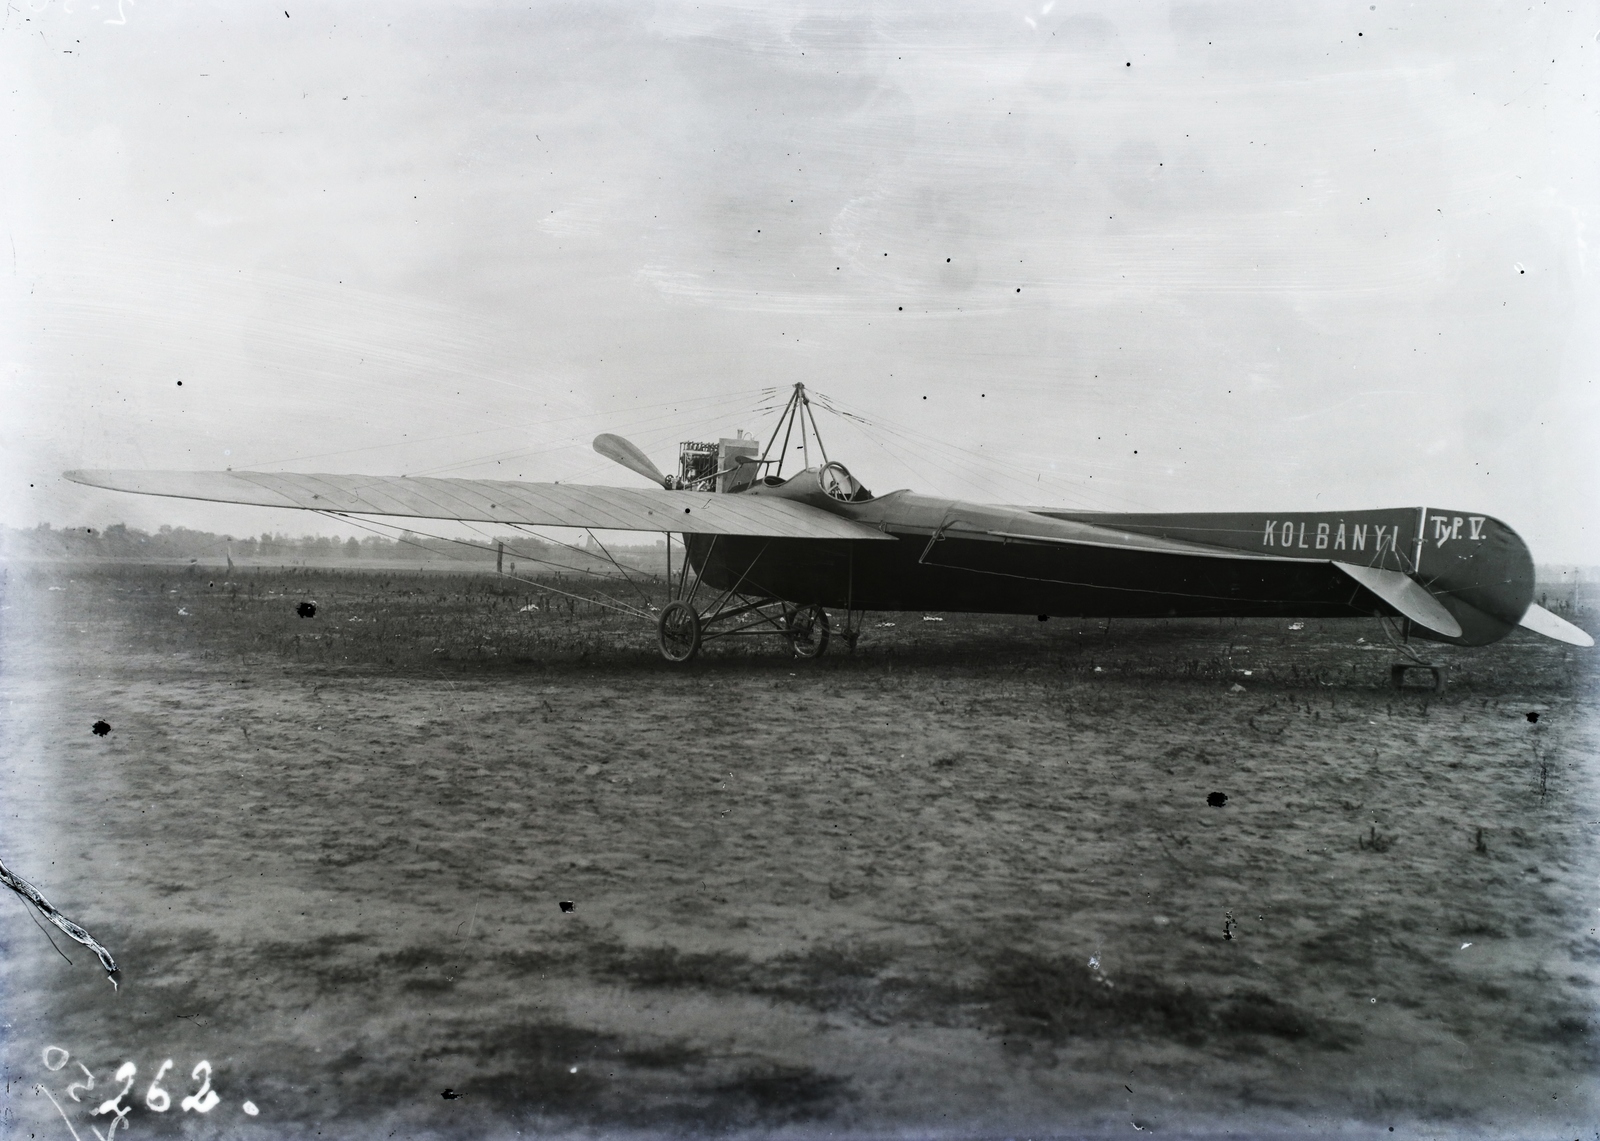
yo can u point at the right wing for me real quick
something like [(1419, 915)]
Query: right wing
[(496, 501)]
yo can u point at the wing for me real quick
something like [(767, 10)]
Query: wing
[(495, 501)]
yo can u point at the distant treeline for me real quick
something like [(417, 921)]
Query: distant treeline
[(122, 542)]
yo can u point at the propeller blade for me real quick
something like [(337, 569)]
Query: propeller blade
[(629, 456), (1541, 621)]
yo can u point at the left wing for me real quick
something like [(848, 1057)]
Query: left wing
[(496, 501)]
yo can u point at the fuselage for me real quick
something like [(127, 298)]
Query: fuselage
[(958, 556)]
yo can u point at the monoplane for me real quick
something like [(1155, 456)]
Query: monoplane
[(767, 554)]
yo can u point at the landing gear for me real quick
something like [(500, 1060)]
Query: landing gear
[(678, 631), (807, 630)]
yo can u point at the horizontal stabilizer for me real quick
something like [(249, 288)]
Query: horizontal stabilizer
[(1541, 621), (1407, 596)]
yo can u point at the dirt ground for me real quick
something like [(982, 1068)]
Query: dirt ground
[(964, 882)]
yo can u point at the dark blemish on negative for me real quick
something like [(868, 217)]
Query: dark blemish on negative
[(449, 1094), (1044, 617), (180, 384), (567, 905), (1533, 718), (100, 728), (1228, 925), (306, 610), (1217, 799)]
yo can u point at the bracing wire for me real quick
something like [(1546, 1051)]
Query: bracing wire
[(524, 529), (501, 428), (718, 406), (619, 567), (992, 466), (604, 600)]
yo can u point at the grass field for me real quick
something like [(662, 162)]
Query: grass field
[(964, 881)]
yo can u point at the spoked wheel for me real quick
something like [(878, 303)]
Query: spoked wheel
[(678, 631), (808, 631)]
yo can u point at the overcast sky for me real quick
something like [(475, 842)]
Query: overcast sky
[(1119, 256)]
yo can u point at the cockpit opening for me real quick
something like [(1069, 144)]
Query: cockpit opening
[(833, 478), (838, 483)]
